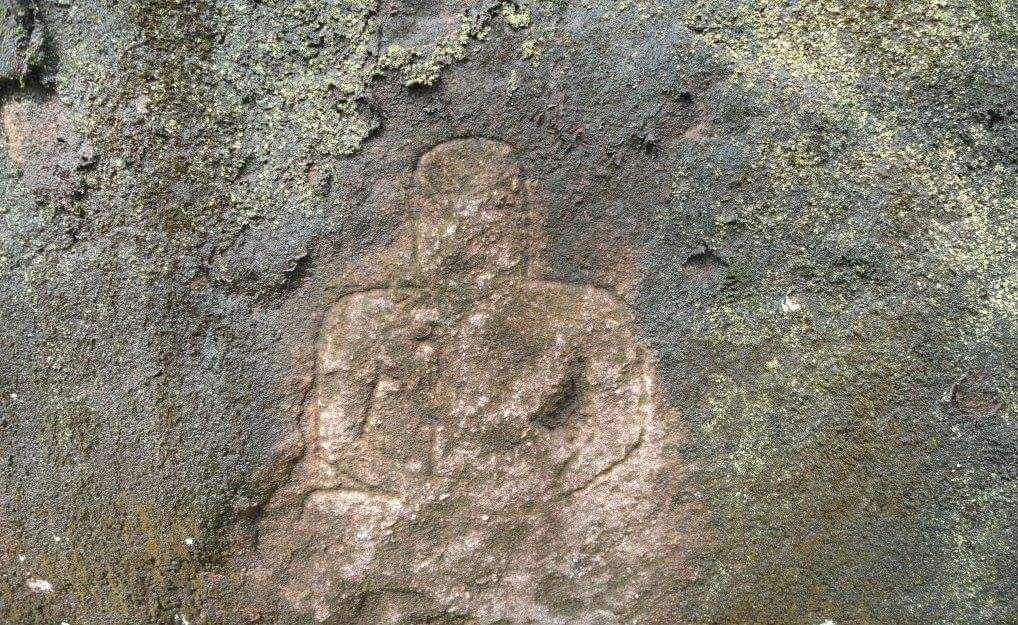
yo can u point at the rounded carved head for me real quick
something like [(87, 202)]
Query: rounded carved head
[(467, 169), (472, 226)]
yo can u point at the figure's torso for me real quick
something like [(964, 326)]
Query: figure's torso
[(454, 390)]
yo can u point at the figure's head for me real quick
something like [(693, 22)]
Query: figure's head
[(472, 226)]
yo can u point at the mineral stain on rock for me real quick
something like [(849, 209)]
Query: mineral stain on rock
[(42, 141), (480, 444)]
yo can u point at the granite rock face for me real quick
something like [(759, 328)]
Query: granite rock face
[(507, 313)]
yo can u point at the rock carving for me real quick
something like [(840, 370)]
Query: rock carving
[(482, 446)]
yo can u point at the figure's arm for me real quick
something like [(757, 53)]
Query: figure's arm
[(620, 400), (347, 370)]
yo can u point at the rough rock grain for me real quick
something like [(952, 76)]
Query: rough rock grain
[(482, 446), (244, 359)]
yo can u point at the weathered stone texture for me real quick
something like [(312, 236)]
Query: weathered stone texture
[(481, 446), (508, 312)]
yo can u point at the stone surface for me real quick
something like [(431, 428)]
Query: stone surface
[(239, 377), (482, 446), (43, 144), (21, 39)]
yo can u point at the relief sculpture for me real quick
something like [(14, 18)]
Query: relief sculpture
[(482, 447)]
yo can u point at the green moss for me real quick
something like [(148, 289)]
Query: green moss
[(124, 561)]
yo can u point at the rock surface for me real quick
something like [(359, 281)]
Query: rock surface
[(481, 446), (507, 312)]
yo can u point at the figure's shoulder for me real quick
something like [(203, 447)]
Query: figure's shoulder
[(367, 308), (584, 301)]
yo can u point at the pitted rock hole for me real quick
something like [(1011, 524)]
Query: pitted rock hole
[(703, 265)]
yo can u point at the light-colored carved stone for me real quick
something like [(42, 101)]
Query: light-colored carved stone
[(41, 140), (482, 446)]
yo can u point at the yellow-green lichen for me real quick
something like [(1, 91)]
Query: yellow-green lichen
[(887, 221), (515, 16)]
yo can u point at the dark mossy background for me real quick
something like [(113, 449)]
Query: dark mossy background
[(810, 206)]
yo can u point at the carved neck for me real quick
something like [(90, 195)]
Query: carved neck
[(482, 282), (473, 257)]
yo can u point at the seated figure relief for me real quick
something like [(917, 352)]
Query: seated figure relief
[(482, 447)]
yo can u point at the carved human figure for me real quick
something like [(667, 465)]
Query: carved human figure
[(482, 446)]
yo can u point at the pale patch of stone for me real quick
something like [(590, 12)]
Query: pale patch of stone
[(479, 442)]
